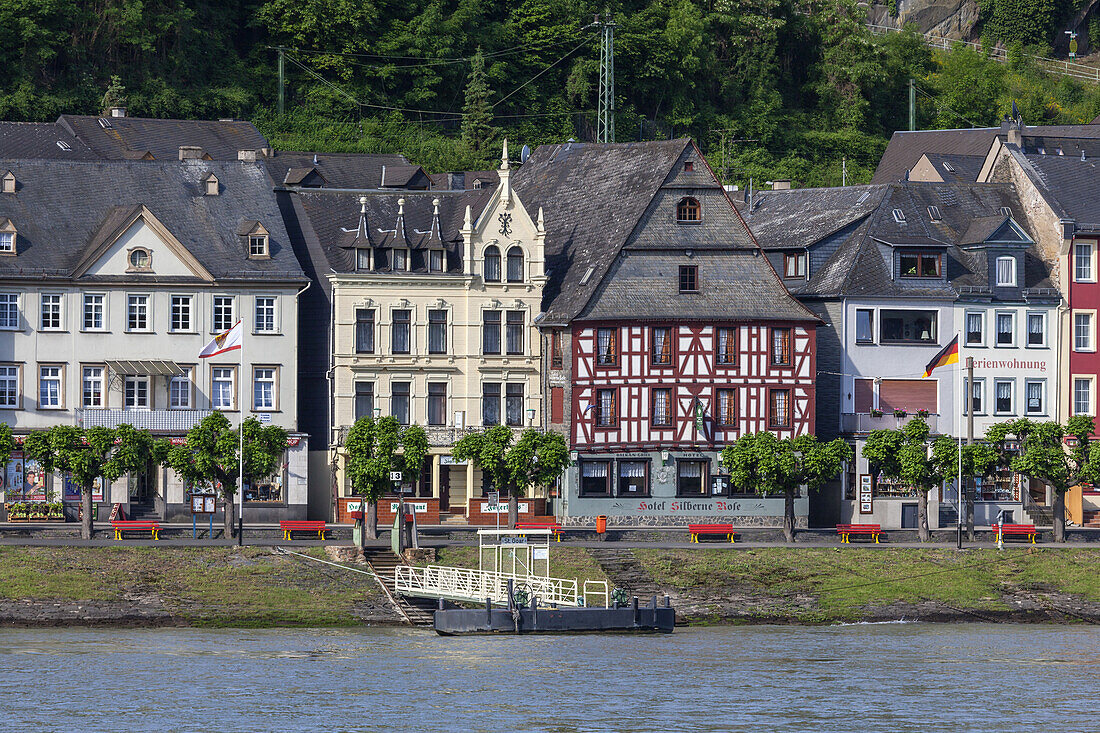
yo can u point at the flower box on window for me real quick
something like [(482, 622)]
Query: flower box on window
[(900, 413), (876, 413), (922, 413)]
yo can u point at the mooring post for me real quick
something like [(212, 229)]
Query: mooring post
[(440, 604), (510, 602), (637, 613), (489, 611), (534, 612), (668, 602)]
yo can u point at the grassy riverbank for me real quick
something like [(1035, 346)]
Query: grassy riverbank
[(209, 586), (215, 586)]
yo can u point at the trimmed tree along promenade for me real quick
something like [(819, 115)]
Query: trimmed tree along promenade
[(169, 586)]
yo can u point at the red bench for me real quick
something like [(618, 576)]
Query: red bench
[(302, 525), (847, 530), (1016, 530), (554, 527), (126, 525), (715, 529)]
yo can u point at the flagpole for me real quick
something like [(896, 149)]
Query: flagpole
[(964, 396), (240, 485)]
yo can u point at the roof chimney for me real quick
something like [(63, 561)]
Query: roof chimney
[(248, 156), (117, 111), (190, 152)]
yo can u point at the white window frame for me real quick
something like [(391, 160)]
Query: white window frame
[(1042, 397), (1011, 395), (1011, 282), (148, 312), (997, 329), (7, 243), (59, 377), (273, 380), (231, 370), (56, 303), (137, 380), (102, 379), (6, 306), (216, 303), (188, 380), (18, 391), (274, 314), (855, 327), (1091, 315), (184, 301), (262, 241), (87, 306), (1090, 277), (1091, 382), (1027, 329), (966, 328), (979, 382)]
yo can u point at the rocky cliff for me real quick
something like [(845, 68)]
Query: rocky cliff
[(948, 18)]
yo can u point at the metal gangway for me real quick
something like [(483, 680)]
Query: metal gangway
[(520, 558)]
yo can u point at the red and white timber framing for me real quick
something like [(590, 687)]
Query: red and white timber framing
[(693, 374)]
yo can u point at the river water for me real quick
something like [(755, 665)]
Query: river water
[(878, 677)]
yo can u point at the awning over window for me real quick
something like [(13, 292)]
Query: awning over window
[(143, 367)]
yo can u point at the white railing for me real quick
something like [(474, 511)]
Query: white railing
[(465, 584), (1072, 69)]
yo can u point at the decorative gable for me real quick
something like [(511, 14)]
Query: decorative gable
[(255, 239), (7, 237), (7, 182), (210, 185), (132, 241)]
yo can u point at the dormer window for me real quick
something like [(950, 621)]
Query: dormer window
[(211, 184), (688, 211), (7, 183), (400, 260), (919, 264), (140, 260), (7, 237), (899, 216), (1006, 272), (436, 260), (794, 264), (689, 166), (257, 245), (478, 183), (934, 213), (362, 259)]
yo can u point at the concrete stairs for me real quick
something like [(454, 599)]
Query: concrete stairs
[(1040, 516), (623, 570), (418, 611)]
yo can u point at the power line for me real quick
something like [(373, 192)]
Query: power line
[(536, 76), (428, 60)]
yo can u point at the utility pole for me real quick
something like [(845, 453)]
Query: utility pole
[(969, 397), (912, 105), (844, 171), (605, 124), (281, 50)]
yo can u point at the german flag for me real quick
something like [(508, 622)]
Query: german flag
[(948, 355)]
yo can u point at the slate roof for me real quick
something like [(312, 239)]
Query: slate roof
[(957, 168), (337, 220), (906, 147), (60, 206), (799, 216), (127, 137), (1068, 184), (966, 215), (339, 170), (41, 140), (609, 214)]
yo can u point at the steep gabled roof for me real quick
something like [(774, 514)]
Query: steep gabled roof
[(906, 148), (41, 140), (119, 138), (63, 207), (1068, 184), (798, 217), (338, 170)]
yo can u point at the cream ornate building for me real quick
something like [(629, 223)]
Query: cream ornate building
[(434, 298)]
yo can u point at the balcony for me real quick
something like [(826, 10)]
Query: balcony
[(863, 422), (155, 421)]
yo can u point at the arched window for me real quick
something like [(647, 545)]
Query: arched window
[(688, 211), (515, 265), (492, 264)]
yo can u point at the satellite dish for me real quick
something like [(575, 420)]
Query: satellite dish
[(524, 154)]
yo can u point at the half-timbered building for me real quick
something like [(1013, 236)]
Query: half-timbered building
[(668, 334)]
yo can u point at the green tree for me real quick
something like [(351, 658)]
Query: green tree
[(477, 120), (211, 457), (764, 463), (373, 449), (536, 459), (88, 454), (1042, 452), (979, 460), (7, 444), (912, 456)]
